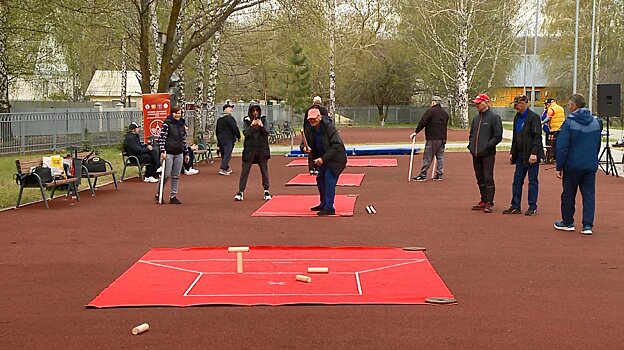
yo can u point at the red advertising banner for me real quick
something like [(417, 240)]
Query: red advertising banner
[(156, 108)]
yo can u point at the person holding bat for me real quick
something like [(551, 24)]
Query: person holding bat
[(324, 146), (173, 152)]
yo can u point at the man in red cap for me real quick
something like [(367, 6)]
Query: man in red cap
[(486, 131), (325, 147)]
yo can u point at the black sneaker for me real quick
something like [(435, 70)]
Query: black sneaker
[(513, 210), (531, 212), (174, 200), (317, 208), (437, 178), (420, 178), (325, 212)]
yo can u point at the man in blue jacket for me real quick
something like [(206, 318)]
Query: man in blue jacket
[(526, 151), (578, 145)]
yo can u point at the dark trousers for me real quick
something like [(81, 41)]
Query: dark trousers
[(326, 182), (264, 170), (518, 182), (153, 158), (586, 182), (484, 172), (189, 165), (433, 148), (226, 149), (553, 147)]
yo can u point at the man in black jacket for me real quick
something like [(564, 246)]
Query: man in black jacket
[(328, 152), (255, 149), (227, 135), (486, 131), (434, 121), (145, 153), (316, 104), (526, 151)]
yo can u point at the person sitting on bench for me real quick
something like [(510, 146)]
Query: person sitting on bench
[(145, 153)]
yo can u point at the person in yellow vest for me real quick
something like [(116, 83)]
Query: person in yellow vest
[(555, 117)]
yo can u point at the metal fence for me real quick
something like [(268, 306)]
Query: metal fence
[(58, 130)]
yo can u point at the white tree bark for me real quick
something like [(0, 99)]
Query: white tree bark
[(462, 64), (332, 57), (124, 73), (211, 90), (157, 45), (199, 84), (4, 70), (179, 46)]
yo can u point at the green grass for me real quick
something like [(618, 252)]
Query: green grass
[(9, 189)]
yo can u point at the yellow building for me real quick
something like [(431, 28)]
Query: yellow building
[(521, 82)]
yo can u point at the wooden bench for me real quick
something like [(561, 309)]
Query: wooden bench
[(95, 175), (26, 178)]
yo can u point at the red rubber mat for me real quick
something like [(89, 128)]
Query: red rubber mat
[(207, 276), (300, 204), (354, 162), (344, 179)]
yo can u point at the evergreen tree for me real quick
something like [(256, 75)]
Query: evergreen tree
[(299, 89)]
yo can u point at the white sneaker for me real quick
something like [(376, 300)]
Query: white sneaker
[(239, 196), (150, 179), (159, 170), (191, 171), (267, 195), (224, 172)]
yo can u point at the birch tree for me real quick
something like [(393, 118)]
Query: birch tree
[(213, 14), (199, 86), (211, 92), (461, 44)]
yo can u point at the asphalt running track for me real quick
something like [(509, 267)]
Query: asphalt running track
[(520, 284)]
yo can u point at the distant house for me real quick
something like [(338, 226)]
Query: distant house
[(521, 82), (105, 87), (50, 80)]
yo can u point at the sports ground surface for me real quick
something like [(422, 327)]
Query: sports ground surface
[(519, 283)]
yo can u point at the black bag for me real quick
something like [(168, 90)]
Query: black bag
[(45, 174), (95, 165)]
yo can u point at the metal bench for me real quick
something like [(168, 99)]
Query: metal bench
[(25, 177), (83, 156)]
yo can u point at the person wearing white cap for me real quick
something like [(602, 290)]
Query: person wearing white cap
[(434, 121)]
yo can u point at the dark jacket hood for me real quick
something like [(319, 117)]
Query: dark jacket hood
[(254, 105), (582, 116)]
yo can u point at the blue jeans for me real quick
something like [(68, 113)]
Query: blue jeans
[(586, 182), (518, 181), (326, 183)]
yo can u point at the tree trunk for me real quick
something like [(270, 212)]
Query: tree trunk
[(179, 46), (332, 55), (156, 42), (461, 97), (124, 73), (199, 85), (4, 70), (212, 86), (144, 47), (380, 111)]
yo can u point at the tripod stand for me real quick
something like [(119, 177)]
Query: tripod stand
[(608, 162)]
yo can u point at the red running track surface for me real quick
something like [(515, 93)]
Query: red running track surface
[(344, 179), (355, 162), (300, 204), (207, 276)]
